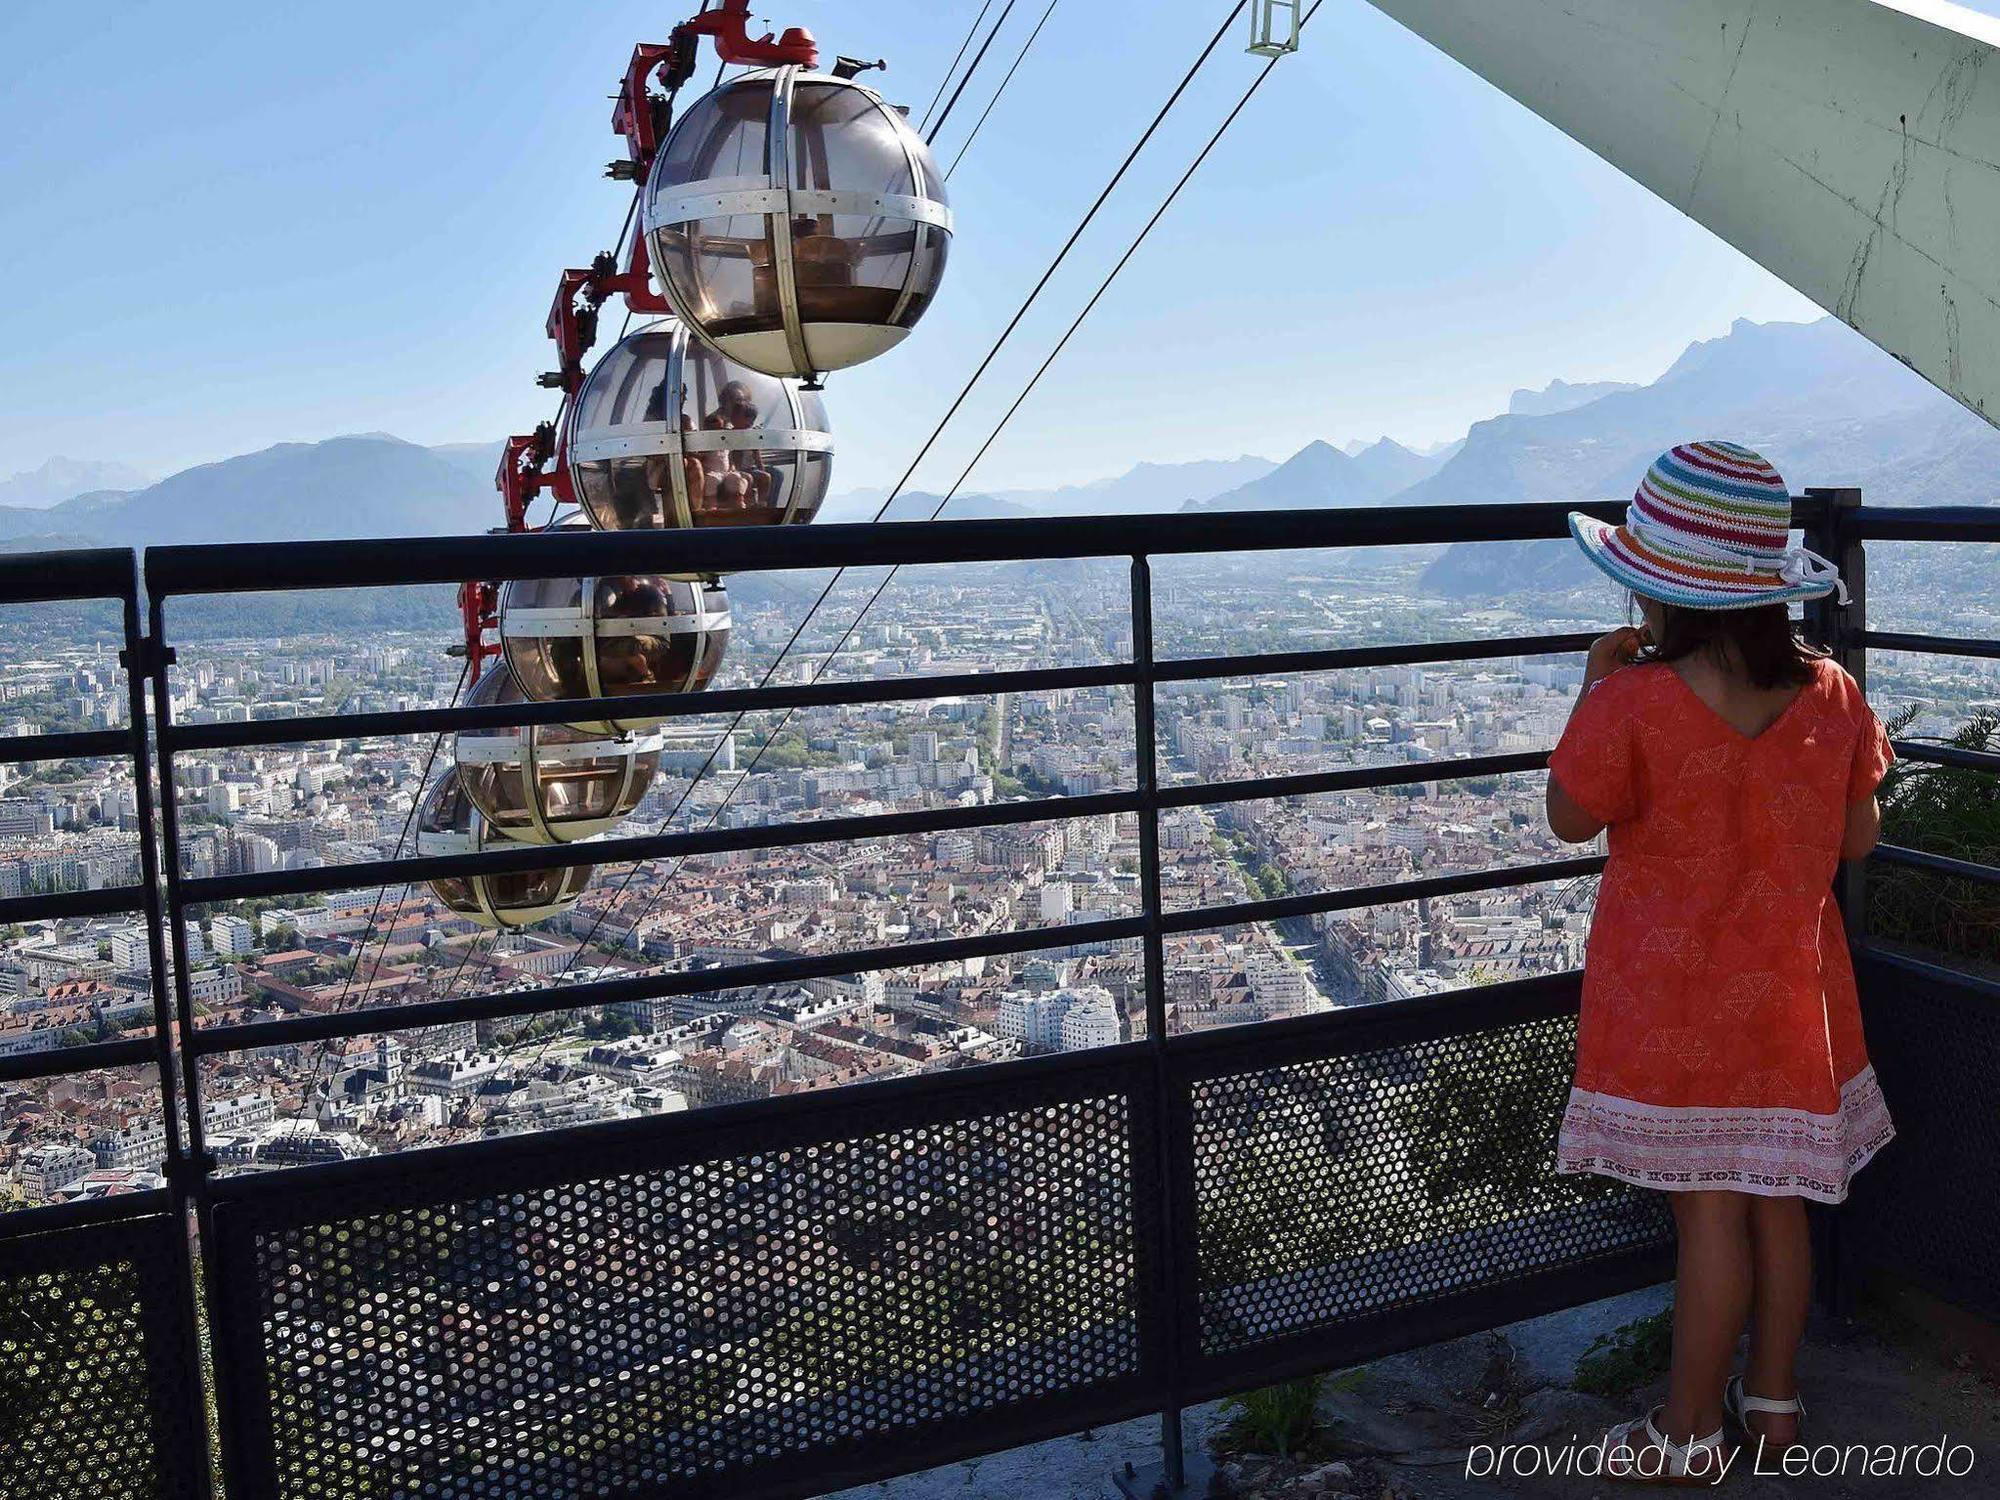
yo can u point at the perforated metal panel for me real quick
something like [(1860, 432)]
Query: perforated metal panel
[(1925, 1208), (755, 1297), (97, 1396), (1356, 1183)]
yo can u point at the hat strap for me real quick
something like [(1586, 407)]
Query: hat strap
[(1803, 565)]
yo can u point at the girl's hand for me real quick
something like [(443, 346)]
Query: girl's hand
[(1610, 652)]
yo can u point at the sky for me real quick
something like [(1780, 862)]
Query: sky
[(235, 225)]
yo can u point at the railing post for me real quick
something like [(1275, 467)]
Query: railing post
[(1167, 1332), (156, 661), (1841, 628), (186, 1162)]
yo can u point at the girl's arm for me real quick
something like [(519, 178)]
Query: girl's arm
[(1864, 827), (1608, 653)]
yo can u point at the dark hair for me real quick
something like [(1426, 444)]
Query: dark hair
[(1761, 638)]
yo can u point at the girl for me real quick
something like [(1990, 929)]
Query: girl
[(1719, 1051)]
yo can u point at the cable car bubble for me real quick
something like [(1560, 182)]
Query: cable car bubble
[(666, 432), (612, 637), (797, 222), (549, 783), (448, 823)]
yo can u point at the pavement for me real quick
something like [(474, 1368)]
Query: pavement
[(1483, 1417)]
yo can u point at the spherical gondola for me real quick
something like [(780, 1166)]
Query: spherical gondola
[(797, 222), (666, 432), (549, 783), (612, 637), (448, 823)]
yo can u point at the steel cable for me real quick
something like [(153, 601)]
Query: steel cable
[(978, 373), (966, 144)]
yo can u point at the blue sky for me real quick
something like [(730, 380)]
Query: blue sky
[(235, 225)]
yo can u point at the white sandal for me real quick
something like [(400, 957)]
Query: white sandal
[(1737, 1405), (1638, 1451)]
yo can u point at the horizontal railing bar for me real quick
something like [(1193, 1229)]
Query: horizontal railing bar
[(261, 567), (68, 574), (546, 999), (109, 901), (839, 1108), (643, 706), (15, 749), (1357, 778), (308, 729), (85, 1213), (514, 858), (1277, 663), (1472, 1007), (1946, 755), (1936, 864), (1923, 523), (249, 1035), (1278, 908), (1934, 645), (1930, 973), (83, 1058)]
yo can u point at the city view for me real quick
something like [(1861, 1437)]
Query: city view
[(72, 826)]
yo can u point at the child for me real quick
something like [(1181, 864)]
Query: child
[(1719, 1051)]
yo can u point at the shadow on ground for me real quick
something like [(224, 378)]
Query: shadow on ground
[(1404, 1428)]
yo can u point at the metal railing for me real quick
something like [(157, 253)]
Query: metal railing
[(789, 1295)]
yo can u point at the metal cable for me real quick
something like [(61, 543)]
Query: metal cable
[(977, 58), (971, 32), (992, 353), (423, 781), (889, 577), (966, 145)]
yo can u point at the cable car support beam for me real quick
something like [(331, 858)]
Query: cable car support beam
[(1850, 147)]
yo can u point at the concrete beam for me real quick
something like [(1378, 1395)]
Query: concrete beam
[(1850, 147)]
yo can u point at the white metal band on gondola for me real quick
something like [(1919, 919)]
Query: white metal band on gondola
[(801, 307), (451, 824)]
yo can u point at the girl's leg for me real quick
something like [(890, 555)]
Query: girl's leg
[(1711, 1301), (1781, 1254)]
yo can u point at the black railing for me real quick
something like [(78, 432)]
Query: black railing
[(786, 1296)]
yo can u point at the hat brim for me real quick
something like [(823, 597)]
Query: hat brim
[(1667, 584)]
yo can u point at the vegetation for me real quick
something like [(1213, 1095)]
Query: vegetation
[(1282, 1420), (1621, 1361), (1941, 810)]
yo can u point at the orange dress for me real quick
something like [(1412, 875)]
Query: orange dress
[(1720, 1040)]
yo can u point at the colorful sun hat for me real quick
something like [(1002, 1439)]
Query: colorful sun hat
[(1709, 528)]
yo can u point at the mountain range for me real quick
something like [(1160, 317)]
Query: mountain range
[(1819, 402)]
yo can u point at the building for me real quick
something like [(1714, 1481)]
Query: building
[(142, 1144), (130, 952), (233, 937), (1063, 1020), (47, 1169)]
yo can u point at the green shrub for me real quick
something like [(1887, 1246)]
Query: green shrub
[(1940, 810), (1279, 1419), (1621, 1361)]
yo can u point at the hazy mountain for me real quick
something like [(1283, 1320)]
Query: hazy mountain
[(1823, 405), (60, 478), (1143, 489), (1320, 476), (344, 487), (1560, 395), (480, 460)]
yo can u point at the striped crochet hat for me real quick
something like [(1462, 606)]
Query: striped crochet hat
[(1709, 528)]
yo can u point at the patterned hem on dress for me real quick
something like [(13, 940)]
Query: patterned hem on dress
[(1773, 1152)]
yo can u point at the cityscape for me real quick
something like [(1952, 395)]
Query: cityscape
[(73, 826)]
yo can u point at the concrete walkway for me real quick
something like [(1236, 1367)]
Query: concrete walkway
[(1408, 1426)]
